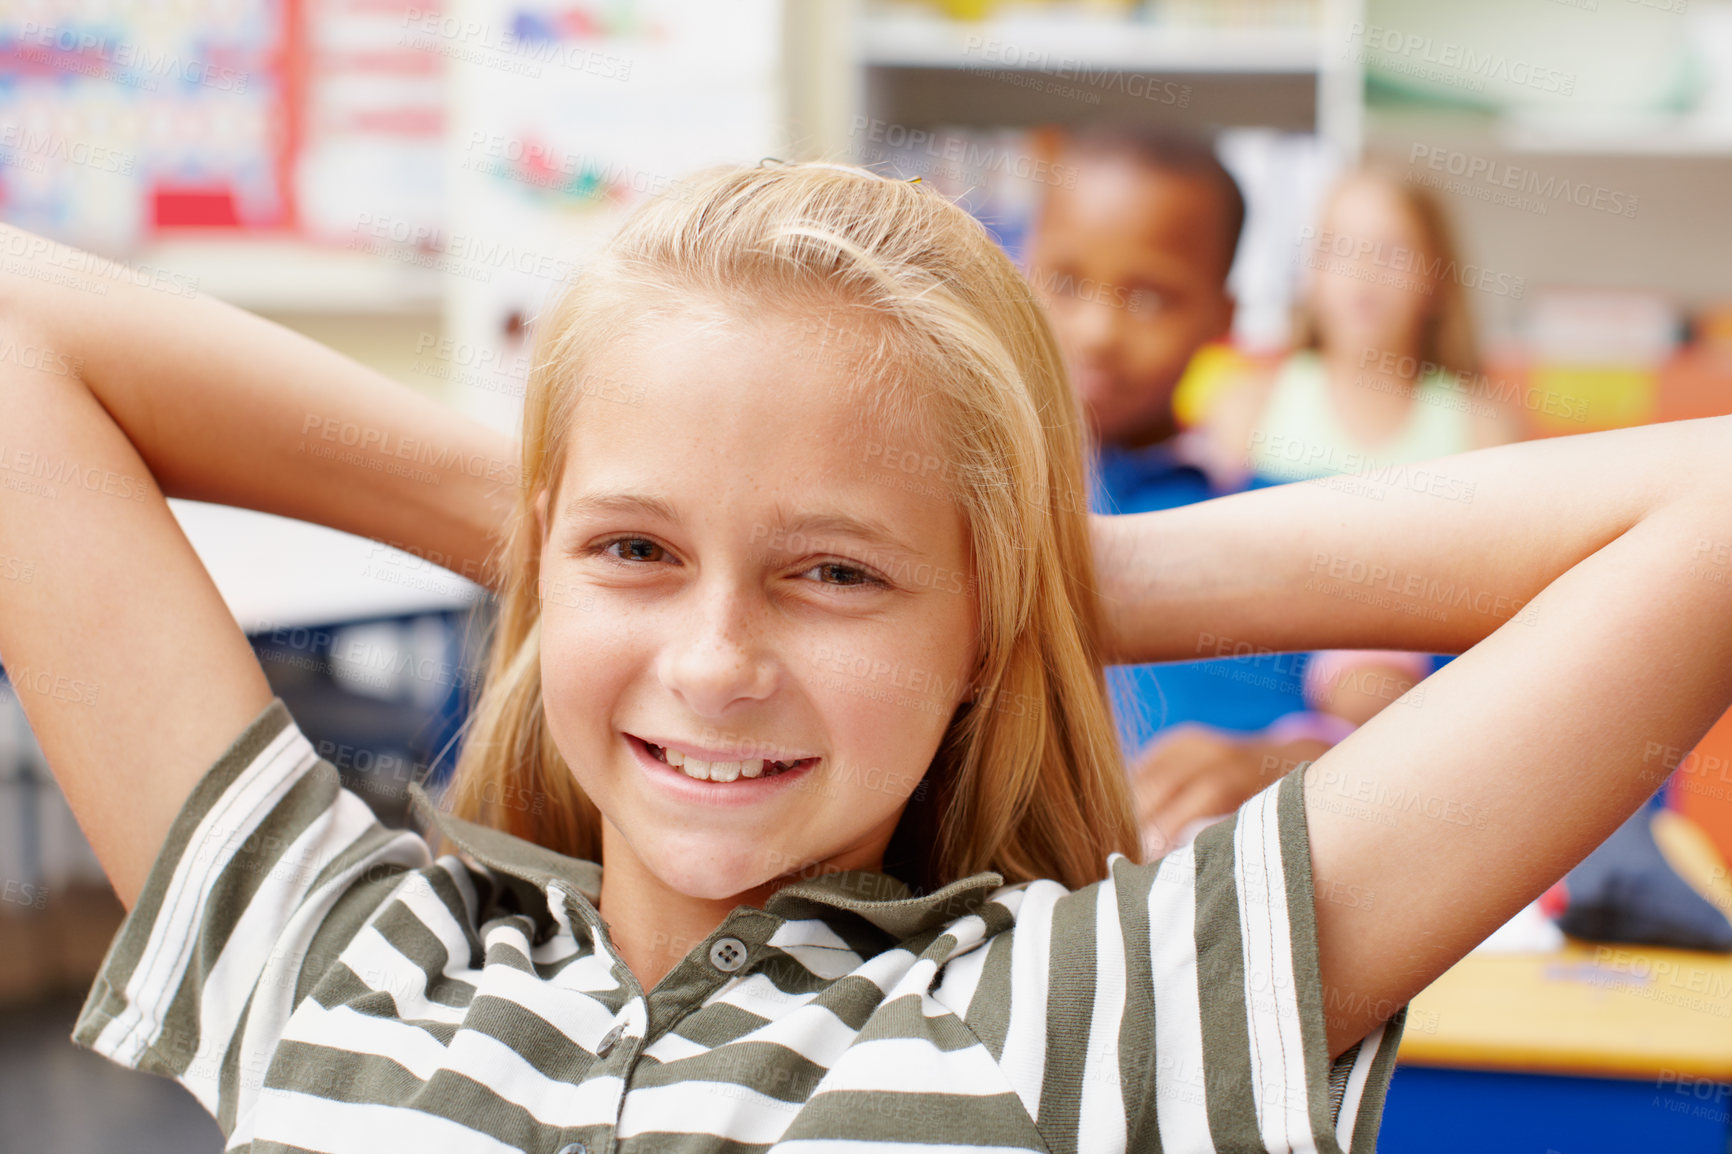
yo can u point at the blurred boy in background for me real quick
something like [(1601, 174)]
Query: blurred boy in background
[(1131, 261)]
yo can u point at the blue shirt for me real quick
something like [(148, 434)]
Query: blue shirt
[(1240, 693)]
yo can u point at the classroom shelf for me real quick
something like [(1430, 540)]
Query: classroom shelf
[(1673, 139), (287, 275), (1397, 126), (912, 41)]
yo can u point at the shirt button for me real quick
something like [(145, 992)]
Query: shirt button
[(574, 1148), (609, 1040), (727, 954)]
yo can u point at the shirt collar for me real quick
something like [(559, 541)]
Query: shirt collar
[(509, 854), (879, 898), (883, 900)]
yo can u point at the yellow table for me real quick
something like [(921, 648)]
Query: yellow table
[(1593, 1047)]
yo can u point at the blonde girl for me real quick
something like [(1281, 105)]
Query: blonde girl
[(1385, 368), (790, 818), (1384, 372)]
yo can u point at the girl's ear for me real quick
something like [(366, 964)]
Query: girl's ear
[(541, 517)]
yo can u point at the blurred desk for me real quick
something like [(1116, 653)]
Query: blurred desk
[(1592, 1048), (276, 572), (372, 649), (362, 643)]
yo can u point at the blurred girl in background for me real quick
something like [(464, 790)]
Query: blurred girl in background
[(1384, 372)]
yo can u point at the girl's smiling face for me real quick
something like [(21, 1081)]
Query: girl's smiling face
[(738, 565)]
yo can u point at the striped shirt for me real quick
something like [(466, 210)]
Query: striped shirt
[(321, 982)]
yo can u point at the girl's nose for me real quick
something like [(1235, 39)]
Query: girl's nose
[(714, 657)]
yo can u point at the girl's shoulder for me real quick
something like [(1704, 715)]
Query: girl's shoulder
[(284, 919), (1212, 949)]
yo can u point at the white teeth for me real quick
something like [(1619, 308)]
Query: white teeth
[(702, 770)]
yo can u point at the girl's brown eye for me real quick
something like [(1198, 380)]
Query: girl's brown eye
[(839, 574), (636, 549)]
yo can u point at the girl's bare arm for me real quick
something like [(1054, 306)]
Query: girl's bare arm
[(130, 668), (224, 406), (1588, 580), (1429, 557)]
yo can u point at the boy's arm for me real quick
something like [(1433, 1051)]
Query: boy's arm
[(227, 407), (1589, 581)]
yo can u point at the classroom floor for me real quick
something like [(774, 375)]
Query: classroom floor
[(59, 1099)]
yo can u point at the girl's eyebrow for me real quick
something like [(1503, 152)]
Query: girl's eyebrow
[(808, 529), (813, 527), (618, 502)]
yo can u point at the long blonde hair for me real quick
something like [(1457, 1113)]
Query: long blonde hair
[(1028, 779)]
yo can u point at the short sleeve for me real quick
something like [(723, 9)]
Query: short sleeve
[(270, 868), (1178, 1005), (1261, 993)]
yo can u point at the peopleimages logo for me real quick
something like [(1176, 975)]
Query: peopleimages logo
[(1401, 51), (87, 52), (503, 48), (1399, 259), (1500, 174), (1027, 64), (32, 144), (973, 159)]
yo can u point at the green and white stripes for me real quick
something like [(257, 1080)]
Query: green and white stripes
[(322, 983)]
